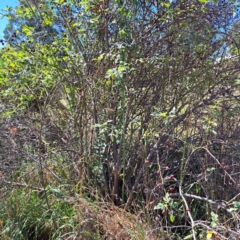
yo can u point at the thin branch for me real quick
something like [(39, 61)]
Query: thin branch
[(219, 204), (218, 163), (188, 211)]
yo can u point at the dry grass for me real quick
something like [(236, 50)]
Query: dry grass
[(112, 222)]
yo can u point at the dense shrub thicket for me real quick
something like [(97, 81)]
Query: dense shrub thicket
[(125, 108)]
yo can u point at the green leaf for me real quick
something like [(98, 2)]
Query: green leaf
[(164, 114), (236, 205), (172, 218), (84, 2), (166, 5), (167, 199), (48, 21), (28, 30), (237, 82), (99, 58), (189, 237), (108, 83), (209, 234), (159, 206), (214, 219), (211, 169), (197, 188), (122, 32)]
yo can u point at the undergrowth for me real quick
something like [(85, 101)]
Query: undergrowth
[(120, 120)]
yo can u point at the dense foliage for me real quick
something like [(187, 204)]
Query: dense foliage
[(130, 102)]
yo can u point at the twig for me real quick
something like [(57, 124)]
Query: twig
[(220, 227), (206, 200), (188, 211), (218, 163), (23, 185), (163, 139)]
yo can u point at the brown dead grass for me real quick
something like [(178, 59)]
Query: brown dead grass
[(112, 222)]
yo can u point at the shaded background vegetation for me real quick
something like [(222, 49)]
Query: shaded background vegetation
[(120, 107)]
